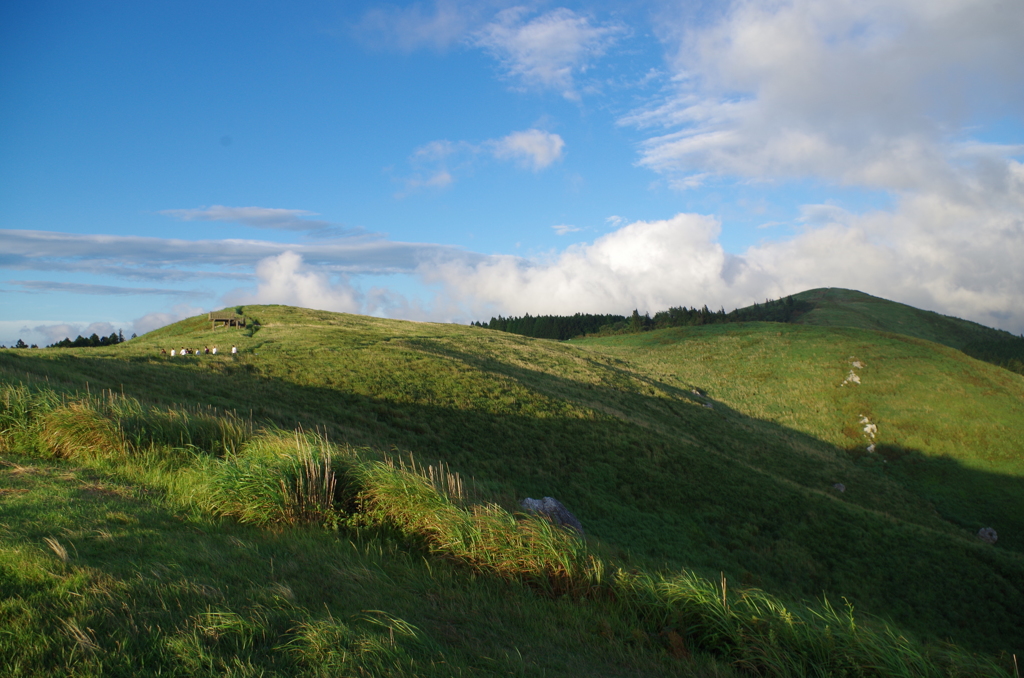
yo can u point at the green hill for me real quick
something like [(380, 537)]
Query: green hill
[(836, 307), (712, 449)]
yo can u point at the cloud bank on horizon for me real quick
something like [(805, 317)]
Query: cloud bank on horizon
[(911, 107)]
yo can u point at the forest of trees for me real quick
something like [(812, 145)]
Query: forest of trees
[(93, 340), (564, 327), (80, 341), (21, 344), (1006, 352), (559, 327)]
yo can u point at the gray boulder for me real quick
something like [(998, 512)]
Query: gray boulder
[(988, 534), (553, 510)]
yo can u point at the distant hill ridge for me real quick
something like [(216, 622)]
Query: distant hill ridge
[(837, 307), (824, 307)]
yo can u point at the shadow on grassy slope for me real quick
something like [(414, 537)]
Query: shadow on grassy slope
[(142, 591), (666, 479)]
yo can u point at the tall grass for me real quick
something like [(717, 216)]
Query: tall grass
[(20, 412), (108, 424), (80, 430), (204, 430), (380, 645), (756, 632), (276, 478), (486, 537), (750, 628)]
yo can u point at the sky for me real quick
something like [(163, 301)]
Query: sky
[(451, 161)]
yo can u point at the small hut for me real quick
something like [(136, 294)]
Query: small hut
[(226, 319)]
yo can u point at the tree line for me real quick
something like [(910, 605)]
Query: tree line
[(1005, 351), (91, 341), (564, 327)]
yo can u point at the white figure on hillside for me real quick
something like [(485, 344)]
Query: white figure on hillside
[(172, 352), (234, 350), (214, 350)]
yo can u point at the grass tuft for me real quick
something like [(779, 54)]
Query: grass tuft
[(84, 641), (81, 430), (276, 478), (57, 548)]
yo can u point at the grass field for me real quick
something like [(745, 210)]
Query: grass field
[(710, 449)]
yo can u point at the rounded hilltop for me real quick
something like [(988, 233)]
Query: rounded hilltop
[(265, 316)]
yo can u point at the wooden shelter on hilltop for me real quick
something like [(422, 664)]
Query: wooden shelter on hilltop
[(226, 319)]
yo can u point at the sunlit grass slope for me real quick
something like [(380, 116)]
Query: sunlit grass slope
[(614, 429), (949, 427)]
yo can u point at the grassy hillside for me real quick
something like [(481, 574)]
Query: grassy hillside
[(836, 307), (735, 479)]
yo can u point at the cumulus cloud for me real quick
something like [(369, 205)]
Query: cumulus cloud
[(157, 319), (547, 51), (59, 331), (652, 265), (285, 279), (532, 148), (647, 265)]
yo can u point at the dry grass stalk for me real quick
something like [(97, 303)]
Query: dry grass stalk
[(56, 547), (84, 641)]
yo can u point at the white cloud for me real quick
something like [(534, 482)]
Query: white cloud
[(969, 270), (564, 229), (417, 25), (441, 178), (45, 332), (42, 286), (647, 265), (259, 217), (435, 161), (285, 279), (156, 320), (57, 332), (60, 331), (170, 258), (436, 151), (547, 51), (531, 148), (869, 93)]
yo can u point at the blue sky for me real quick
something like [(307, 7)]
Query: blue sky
[(450, 161)]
